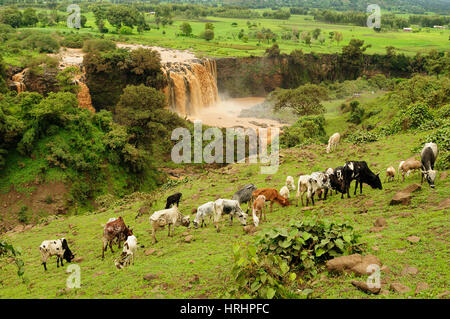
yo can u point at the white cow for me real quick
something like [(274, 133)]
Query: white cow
[(203, 211), (290, 183), (333, 142)]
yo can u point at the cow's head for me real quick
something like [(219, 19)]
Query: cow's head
[(284, 201), (68, 255), (376, 182), (242, 217), (430, 177), (186, 221)]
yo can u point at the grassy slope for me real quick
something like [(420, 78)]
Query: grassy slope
[(210, 255)]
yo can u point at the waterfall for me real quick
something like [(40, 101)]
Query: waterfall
[(191, 85), (18, 81)]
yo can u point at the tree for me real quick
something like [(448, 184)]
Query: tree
[(304, 100), (119, 16), (186, 29), (83, 21), (273, 52), (338, 37), (29, 17), (316, 33), (209, 34), (352, 57), (11, 16), (209, 26)]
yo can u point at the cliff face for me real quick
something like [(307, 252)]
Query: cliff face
[(42, 83), (257, 76)]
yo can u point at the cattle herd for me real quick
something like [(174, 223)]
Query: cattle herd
[(319, 183)]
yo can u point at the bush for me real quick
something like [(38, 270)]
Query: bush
[(417, 114), (305, 130), (270, 267), (101, 45), (361, 137), (125, 30), (23, 215)]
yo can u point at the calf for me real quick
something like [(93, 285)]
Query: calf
[(390, 174), (290, 183), (259, 207), (244, 195), (115, 228), (329, 171), (323, 182), (337, 180), (333, 142), (128, 252), (406, 167), (171, 217), (204, 211), (360, 172), (284, 191), (428, 157), (271, 195), (308, 185), (173, 199), (58, 248), (228, 207)]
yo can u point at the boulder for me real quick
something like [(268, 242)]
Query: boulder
[(188, 239), (380, 222), (445, 204), (398, 287), (148, 252), (404, 196), (401, 198), (410, 271), (421, 286), (149, 277), (364, 287), (413, 239)]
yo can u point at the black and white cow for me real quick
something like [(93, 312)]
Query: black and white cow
[(228, 207), (360, 172), (337, 180), (429, 154), (58, 247)]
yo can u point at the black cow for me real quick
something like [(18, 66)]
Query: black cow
[(244, 195), (337, 180), (429, 154), (360, 172), (173, 199)]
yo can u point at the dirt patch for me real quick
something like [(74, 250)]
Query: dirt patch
[(44, 199)]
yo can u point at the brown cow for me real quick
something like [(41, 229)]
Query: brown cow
[(271, 195), (114, 228)]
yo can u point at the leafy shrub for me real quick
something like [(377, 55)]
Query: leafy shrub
[(23, 214), (125, 30), (362, 136), (102, 45), (443, 112), (306, 129), (356, 113), (270, 267), (417, 114)]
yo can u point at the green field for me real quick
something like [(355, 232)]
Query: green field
[(226, 42), (175, 263)]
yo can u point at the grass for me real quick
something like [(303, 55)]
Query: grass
[(210, 255)]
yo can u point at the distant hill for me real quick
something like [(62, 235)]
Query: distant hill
[(406, 6)]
